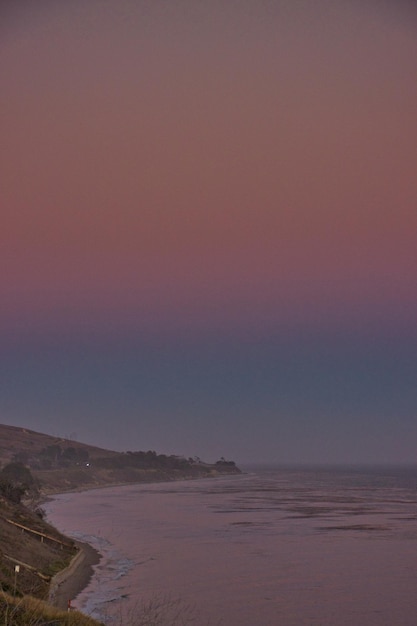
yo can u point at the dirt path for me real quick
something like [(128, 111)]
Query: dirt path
[(68, 583)]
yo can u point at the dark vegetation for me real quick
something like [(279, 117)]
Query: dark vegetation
[(16, 480)]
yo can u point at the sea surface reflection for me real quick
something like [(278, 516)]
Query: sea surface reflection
[(330, 546)]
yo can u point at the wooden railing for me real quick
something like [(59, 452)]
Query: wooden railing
[(42, 536), (28, 567)]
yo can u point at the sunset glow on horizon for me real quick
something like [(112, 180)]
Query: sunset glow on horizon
[(210, 175)]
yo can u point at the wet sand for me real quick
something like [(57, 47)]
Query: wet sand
[(68, 583)]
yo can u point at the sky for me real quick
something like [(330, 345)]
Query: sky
[(208, 217)]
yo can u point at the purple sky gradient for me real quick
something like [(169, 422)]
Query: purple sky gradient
[(208, 225)]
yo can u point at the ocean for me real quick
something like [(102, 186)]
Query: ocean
[(275, 546)]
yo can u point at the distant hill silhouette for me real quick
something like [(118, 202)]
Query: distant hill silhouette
[(58, 464)]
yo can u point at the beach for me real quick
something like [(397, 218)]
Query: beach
[(70, 582)]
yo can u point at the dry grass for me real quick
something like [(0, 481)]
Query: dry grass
[(158, 611), (29, 611)]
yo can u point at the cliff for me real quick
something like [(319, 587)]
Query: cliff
[(34, 465)]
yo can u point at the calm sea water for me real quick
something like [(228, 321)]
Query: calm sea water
[(273, 547)]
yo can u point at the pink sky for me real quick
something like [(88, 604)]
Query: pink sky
[(253, 162), (233, 181)]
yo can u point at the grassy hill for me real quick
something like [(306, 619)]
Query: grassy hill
[(60, 465), (27, 445)]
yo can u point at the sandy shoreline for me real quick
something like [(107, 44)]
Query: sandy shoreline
[(69, 582)]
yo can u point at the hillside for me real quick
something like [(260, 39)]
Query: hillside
[(31, 553), (22, 444), (59, 465)]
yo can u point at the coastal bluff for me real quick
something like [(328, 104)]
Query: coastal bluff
[(57, 464), (35, 465)]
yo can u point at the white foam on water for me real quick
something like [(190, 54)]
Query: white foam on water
[(106, 585)]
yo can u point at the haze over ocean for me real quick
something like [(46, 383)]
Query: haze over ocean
[(208, 223)]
